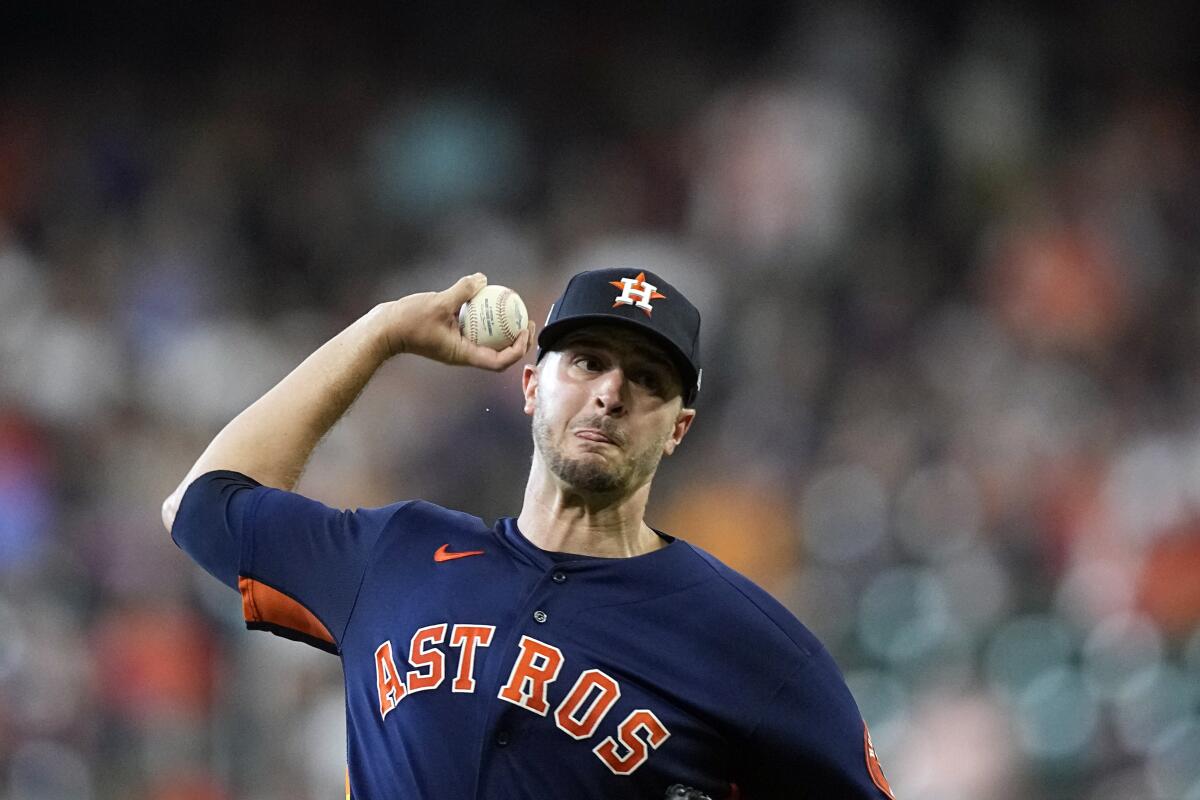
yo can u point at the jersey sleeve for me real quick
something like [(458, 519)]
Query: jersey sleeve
[(297, 563), (812, 742)]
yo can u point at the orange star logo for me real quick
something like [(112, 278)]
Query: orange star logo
[(636, 287)]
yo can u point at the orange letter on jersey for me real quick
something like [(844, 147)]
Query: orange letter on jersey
[(568, 717), (636, 753), (536, 668), (468, 637), (391, 690), (422, 655)]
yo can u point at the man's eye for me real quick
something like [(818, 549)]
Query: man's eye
[(589, 363), (648, 380)]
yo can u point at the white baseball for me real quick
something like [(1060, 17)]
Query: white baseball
[(493, 318)]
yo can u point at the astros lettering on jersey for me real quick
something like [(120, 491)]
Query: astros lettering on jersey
[(479, 666)]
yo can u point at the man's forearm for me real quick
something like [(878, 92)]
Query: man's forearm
[(272, 440)]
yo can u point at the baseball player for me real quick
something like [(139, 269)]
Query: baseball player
[(570, 652)]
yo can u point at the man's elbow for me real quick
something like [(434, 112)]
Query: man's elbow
[(170, 507)]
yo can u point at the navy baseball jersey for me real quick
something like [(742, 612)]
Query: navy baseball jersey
[(480, 666)]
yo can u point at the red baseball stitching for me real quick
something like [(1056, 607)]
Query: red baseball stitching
[(503, 316), (472, 321)]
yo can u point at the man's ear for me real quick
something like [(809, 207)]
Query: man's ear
[(683, 423), (529, 383)]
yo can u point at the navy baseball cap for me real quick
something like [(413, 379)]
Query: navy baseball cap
[(640, 300)]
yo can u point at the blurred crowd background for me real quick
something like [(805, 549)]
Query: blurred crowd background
[(949, 265)]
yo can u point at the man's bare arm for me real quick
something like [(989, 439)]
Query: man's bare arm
[(272, 440)]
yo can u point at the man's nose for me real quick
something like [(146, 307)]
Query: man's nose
[(609, 391)]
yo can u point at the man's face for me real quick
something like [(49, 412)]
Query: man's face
[(606, 408)]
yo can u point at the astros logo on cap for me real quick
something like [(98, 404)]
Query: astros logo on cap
[(636, 286)]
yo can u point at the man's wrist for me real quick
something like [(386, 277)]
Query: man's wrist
[(381, 333)]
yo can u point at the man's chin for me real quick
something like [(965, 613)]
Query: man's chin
[(590, 475)]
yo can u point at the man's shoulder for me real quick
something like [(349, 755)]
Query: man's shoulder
[(753, 609), (425, 516)]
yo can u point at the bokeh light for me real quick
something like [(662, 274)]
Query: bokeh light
[(1152, 701), (904, 615), (938, 512), (1058, 715), (1025, 648), (843, 514), (1174, 763), (1119, 648)]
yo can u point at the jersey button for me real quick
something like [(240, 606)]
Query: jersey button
[(540, 616), (559, 577), (502, 739)]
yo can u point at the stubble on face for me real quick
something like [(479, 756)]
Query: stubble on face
[(592, 474)]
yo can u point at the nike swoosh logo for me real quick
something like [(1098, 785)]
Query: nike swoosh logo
[(442, 554)]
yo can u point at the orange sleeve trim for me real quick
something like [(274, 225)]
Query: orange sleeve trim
[(264, 605), (873, 767)]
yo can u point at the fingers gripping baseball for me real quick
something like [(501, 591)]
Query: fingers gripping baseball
[(498, 360), (426, 324), (462, 290)]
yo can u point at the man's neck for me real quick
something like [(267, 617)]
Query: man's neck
[(561, 520)]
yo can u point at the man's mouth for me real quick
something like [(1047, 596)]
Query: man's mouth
[(594, 435)]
